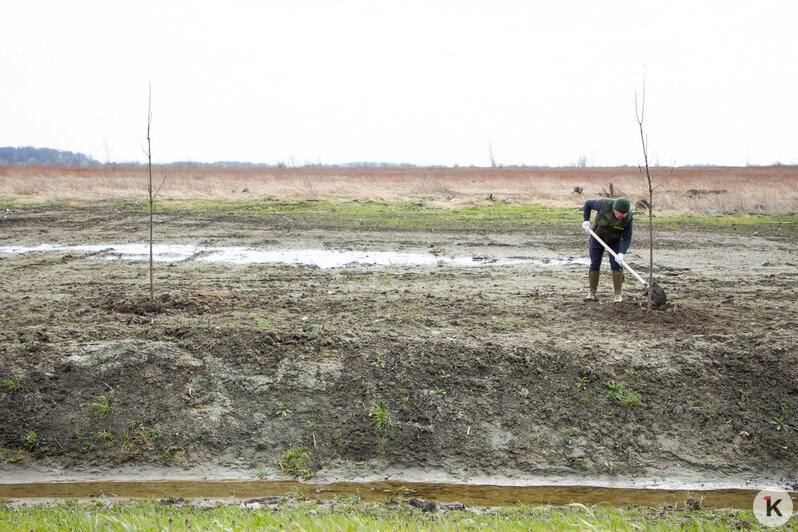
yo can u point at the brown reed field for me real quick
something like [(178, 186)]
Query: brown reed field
[(685, 190)]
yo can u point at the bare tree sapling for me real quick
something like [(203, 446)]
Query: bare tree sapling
[(152, 195), (646, 173)]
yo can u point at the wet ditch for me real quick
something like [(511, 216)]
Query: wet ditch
[(476, 495)]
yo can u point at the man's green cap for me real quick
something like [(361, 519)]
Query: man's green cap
[(621, 205)]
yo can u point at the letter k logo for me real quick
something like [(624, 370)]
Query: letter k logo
[(772, 506)]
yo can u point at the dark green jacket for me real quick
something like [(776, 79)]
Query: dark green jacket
[(609, 228)]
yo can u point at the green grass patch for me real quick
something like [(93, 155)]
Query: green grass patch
[(14, 203), (350, 212), (416, 214), (349, 513), (410, 215)]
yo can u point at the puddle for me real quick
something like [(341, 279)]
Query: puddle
[(477, 495), (321, 258)]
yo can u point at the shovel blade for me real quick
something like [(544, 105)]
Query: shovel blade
[(657, 295)]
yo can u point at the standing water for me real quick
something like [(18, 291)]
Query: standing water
[(321, 258), (478, 495)]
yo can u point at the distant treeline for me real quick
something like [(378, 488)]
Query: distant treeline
[(243, 164), (30, 156), (44, 157)]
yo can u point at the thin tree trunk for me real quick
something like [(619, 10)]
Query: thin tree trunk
[(640, 115), (650, 240), (149, 187)]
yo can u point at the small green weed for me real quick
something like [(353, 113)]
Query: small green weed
[(613, 390), (282, 411), (380, 417), (579, 463), (630, 399), (137, 434), (779, 422), (11, 384), (440, 393), (405, 393), (101, 406), (30, 440), (295, 462), (743, 396), (625, 397), (265, 323), (379, 363)]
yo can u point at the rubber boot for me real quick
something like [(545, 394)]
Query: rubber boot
[(617, 285), (592, 279)]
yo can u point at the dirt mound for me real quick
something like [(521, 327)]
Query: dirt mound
[(198, 303), (675, 317)]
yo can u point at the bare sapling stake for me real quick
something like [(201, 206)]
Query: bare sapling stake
[(149, 184), (646, 173), (150, 192)]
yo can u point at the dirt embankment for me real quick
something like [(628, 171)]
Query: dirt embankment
[(444, 372)]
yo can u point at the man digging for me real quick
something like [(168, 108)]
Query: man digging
[(613, 224)]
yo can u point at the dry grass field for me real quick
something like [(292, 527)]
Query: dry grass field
[(688, 190)]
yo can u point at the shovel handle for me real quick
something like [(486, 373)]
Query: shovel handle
[(615, 256)]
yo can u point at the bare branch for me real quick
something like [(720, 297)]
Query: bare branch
[(667, 177), (640, 115), (149, 111), (159, 186), (637, 112), (671, 170)]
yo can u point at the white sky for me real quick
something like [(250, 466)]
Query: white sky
[(423, 82)]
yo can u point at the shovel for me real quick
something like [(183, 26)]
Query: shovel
[(657, 294)]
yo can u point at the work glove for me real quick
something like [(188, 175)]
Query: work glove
[(586, 226), (619, 258)]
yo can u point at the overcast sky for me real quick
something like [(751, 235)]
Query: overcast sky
[(423, 82)]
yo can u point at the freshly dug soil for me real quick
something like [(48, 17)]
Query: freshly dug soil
[(433, 372)]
